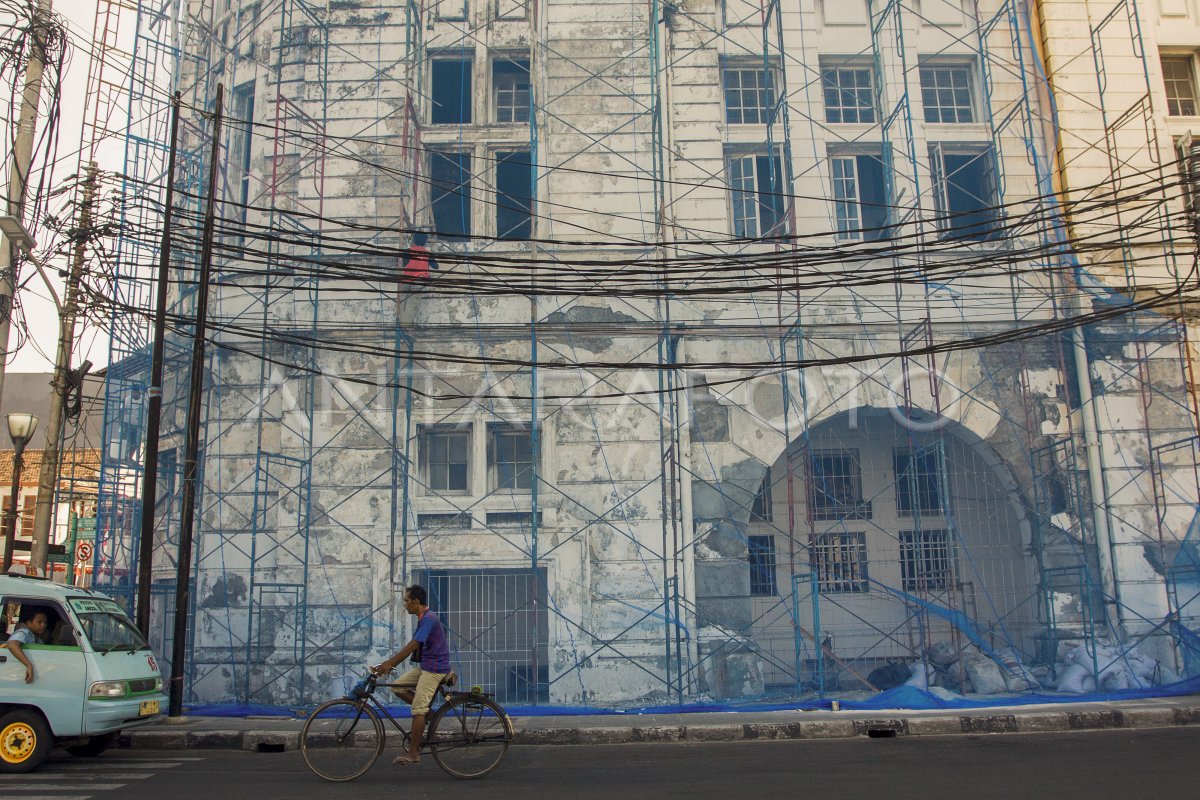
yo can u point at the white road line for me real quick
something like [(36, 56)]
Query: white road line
[(61, 796), (60, 787), (108, 776), (96, 767)]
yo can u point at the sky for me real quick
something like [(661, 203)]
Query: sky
[(37, 353)]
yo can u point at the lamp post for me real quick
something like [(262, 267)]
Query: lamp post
[(20, 428)]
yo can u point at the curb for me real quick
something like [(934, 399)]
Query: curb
[(275, 741)]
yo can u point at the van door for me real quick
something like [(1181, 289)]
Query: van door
[(59, 671)]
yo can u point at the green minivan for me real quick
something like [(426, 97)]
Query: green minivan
[(94, 674)]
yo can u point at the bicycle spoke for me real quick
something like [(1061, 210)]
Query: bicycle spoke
[(469, 736), (341, 740)]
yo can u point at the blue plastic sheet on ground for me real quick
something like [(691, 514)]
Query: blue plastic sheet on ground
[(901, 697)]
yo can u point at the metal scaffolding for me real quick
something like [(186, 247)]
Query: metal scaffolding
[(774, 495)]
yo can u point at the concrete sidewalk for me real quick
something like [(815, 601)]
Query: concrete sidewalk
[(272, 734)]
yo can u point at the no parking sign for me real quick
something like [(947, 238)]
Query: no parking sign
[(83, 551)]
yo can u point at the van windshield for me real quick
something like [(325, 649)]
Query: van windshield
[(106, 626)]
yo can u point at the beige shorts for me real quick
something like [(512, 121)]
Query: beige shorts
[(422, 684)]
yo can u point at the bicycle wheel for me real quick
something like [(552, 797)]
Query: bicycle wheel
[(469, 736), (341, 739)]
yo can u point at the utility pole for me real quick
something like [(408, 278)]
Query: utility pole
[(183, 564), (18, 172), (154, 395), (48, 477)]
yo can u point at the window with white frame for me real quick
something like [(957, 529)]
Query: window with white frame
[(947, 93), (1179, 79), (840, 561), (926, 561), (965, 192), (446, 459), (514, 195), (849, 93), (510, 89), (450, 96), (749, 94), (450, 192), (510, 457), (757, 194), (835, 486), (918, 481), (761, 554), (859, 196)]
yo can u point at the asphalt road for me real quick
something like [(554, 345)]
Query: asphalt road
[(1128, 764)]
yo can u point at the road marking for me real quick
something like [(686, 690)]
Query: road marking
[(96, 766), (59, 787), (108, 776)]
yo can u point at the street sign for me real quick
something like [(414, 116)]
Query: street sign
[(83, 551)]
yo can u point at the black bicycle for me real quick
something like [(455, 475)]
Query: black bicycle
[(468, 734)]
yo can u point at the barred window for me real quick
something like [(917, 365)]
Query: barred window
[(835, 486), (762, 566), (840, 561), (918, 481), (926, 561)]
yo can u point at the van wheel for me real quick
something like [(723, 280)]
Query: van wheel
[(94, 746), (24, 741)]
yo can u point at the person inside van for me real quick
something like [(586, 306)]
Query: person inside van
[(30, 629)]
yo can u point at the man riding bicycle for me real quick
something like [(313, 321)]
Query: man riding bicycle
[(417, 686)]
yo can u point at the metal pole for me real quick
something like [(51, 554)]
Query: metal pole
[(22, 156), (10, 519), (154, 399), (49, 474), (183, 575)]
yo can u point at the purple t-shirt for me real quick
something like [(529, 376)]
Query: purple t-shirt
[(435, 654)]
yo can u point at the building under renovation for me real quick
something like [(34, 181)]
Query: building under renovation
[(707, 350)]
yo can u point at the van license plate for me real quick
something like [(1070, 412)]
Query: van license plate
[(148, 707)]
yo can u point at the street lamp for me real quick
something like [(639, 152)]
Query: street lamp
[(20, 428)]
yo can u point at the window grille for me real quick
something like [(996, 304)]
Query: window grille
[(840, 561)]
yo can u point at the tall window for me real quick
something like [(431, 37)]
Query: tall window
[(918, 481), (760, 506), (450, 91), (849, 94), (1179, 76), (947, 93), (757, 190), (964, 186), (450, 193), (835, 486), (749, 95), (926, 561), (241, 143), (840, 561), (762, 566), (510, 90), (514, 195), (510, 457), (445, 458), (860, 197)]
